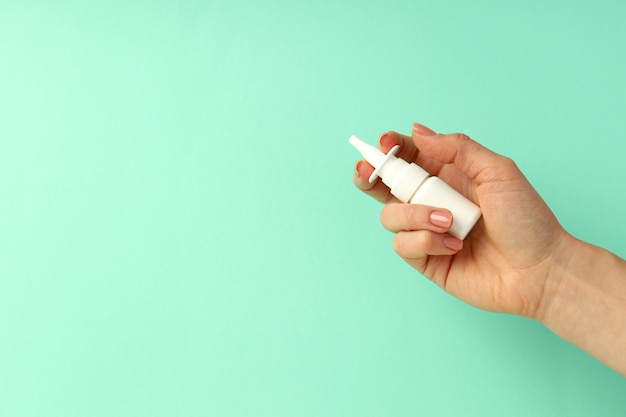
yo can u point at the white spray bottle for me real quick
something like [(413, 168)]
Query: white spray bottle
[(412, 184)]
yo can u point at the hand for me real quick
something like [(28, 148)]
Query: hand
[(506, 261)]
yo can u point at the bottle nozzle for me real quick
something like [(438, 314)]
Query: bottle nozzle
[(374, 156), (371, 154)]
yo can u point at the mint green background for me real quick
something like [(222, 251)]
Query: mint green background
[(179, 235)]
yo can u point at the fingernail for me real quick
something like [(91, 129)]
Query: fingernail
[(440, 218), (423, 130), (385, 142), (356, 169), (452, 243)]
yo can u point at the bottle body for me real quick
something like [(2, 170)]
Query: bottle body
[(436, 193)]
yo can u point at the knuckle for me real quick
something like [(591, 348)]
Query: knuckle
[(409, 214), (425, 240), (461, 137), (508, 163), (465, 141), (505, 167)]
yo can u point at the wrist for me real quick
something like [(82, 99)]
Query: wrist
[(584, 301), (558, 281), (575, 275)]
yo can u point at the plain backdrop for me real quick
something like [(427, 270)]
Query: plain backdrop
[(179, 234)]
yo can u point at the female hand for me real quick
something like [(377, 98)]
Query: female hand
[(506, 261)]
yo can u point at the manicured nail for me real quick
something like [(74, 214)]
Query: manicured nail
[(385, 142), (423, 130), (441, 218), (452, 243), (356, 169)]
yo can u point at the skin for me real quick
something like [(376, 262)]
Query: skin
[(518, 259)]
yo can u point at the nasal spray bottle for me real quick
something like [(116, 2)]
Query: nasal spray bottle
[(412, 184)]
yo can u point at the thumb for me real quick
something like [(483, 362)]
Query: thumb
[(474, 160)]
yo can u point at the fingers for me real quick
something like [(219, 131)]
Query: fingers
[(420, 230), (408, 150), (421, 243), (404, 217), (474, 160), (377, 190)]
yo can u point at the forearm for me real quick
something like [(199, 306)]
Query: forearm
[(585, 302)]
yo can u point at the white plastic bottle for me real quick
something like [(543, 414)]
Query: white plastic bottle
[(412, 184)]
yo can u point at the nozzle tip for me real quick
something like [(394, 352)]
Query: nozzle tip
[(371, 154), (354, 140)]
